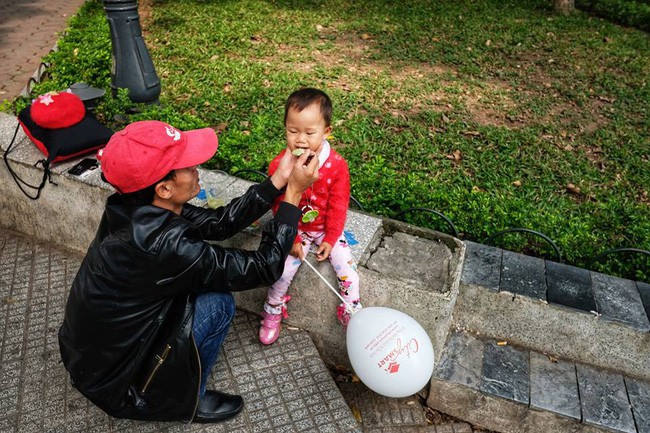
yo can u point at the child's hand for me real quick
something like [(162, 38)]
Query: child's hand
[(323, 251), (296, 251)]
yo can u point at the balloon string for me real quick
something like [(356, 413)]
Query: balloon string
[(349, 307)]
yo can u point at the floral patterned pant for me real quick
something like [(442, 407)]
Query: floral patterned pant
[(341, 260)]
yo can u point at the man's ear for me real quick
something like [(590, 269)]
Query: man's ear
[(163, 191)]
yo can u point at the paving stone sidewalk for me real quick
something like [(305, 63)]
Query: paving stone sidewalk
[(28, 31), (286, 386)]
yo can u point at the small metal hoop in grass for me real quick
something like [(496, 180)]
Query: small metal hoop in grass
[(598, 257), (250, 170), (356, 203), (451, 225), (529, 231)]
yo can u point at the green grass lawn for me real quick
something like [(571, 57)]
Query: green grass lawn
[(497, 114)]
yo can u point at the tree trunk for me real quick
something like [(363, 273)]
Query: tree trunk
[(564, 6)]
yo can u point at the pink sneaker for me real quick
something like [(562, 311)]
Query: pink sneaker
[(343, 315), (270, 329)]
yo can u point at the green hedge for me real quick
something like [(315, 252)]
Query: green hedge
[(629, 13)]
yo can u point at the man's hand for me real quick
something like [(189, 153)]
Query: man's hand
[(296, 251), (302, 177), (282, 173), (323, 252)]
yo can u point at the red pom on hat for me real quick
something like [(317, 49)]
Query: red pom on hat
[(55, 110)]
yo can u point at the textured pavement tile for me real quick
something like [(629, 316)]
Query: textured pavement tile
[(380, 411), (644, 291), (604, 400), (569, 286), (523, 275), (554, 386), (482, 266), (286, 387), (462, 360), (639, 394), (505, 372), (619, 300)]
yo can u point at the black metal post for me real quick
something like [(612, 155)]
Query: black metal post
[(132, 66)]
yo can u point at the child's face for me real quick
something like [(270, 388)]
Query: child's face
[(306, 129)]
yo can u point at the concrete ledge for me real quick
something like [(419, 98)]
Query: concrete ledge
[(521, 390), (499, 414), (552, 329)]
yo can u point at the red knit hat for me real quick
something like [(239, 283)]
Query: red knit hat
[(144, 152), (56, 110)]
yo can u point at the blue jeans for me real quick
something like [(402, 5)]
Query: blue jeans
[(213, 313)]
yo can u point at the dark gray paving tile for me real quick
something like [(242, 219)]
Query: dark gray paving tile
[(639, 394), (554, 386), (462, 360), (569, 286), (482, 266), (603, 399), (523, 275), (505, 372), (618, 299), (644, 291)]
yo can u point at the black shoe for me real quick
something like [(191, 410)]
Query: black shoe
[(217, 406)]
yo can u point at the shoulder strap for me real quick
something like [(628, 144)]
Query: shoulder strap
[(47, 176)]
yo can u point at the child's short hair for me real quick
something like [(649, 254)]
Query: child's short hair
[(303, 98)]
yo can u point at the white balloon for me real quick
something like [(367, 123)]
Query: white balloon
[(389, 351)]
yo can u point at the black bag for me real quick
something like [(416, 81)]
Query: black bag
[(57, 144)]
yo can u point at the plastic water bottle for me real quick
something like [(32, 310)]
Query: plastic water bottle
[(202, 197)]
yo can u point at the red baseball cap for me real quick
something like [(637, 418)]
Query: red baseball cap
[(144, 152)]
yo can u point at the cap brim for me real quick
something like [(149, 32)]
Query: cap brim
[(201, 145)]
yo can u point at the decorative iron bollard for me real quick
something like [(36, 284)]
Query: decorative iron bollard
[(132, 66)]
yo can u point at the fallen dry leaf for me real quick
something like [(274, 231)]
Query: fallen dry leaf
[(365, 36), (553, 358), (455, 156), (517, 183), (356, 412), (220, 128), (572, 189)]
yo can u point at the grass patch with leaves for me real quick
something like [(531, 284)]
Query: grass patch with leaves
[(497, 114)]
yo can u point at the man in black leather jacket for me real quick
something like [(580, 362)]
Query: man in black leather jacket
[(151, 303)]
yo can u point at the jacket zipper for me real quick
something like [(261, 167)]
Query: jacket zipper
[(198, 389), (161, 359)]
